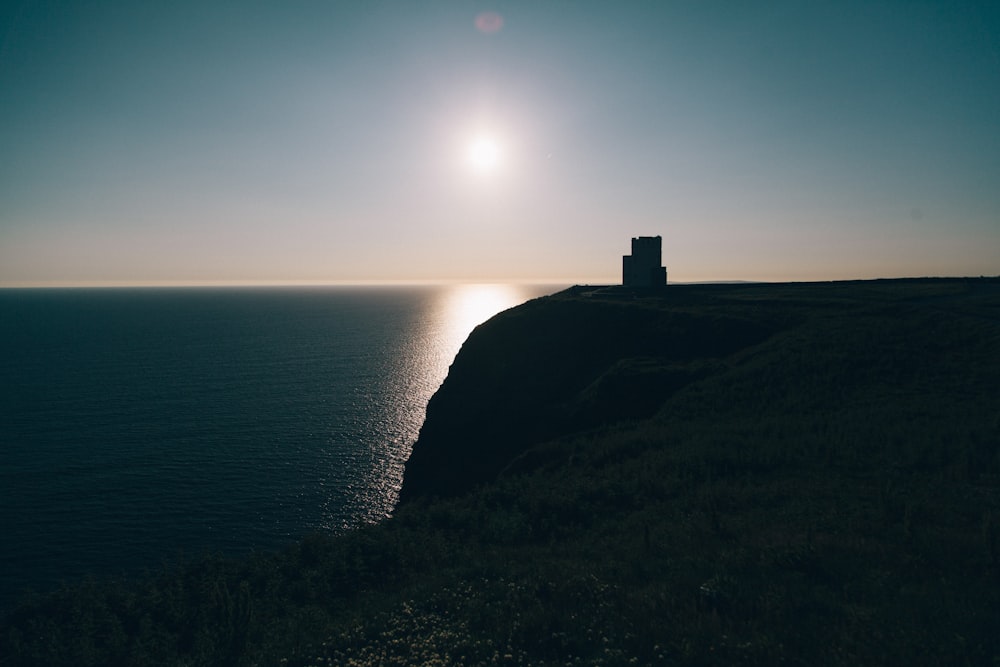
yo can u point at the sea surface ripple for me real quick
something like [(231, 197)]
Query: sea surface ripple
[(138, 426)]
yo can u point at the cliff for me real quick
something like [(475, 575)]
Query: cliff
[(565, 363), (587, 357)]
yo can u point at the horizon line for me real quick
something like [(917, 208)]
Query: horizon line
[(123, 284)]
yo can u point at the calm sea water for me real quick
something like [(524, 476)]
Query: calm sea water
[(138, 425)]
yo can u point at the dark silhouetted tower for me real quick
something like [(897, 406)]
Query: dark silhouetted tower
[(643, 267)]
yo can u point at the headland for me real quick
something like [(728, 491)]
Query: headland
[(800, 473)]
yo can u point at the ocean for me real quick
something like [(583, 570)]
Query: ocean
[(142, 426)]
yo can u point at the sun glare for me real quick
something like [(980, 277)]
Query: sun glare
[(467, 306), (484, 153)]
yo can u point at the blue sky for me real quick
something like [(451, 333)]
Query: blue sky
[(206, 142)]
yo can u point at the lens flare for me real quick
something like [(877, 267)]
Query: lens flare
[(489, 22)]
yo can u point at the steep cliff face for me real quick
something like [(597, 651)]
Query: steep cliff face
[(562, 364)]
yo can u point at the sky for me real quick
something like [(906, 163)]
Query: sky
[(206, 142)]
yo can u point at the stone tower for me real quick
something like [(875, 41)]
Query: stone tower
[(643, 268)]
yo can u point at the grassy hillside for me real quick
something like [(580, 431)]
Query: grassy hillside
[(706, 475)]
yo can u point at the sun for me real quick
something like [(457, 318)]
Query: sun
[(484, 153)]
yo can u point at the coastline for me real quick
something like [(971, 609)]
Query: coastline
[(712, 474)]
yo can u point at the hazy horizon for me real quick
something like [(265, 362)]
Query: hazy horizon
[(221, 143), (556, 284), (289, 283)]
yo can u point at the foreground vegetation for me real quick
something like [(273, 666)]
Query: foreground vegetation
[(711, 475)]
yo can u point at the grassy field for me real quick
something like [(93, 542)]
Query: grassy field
[(705, 475)]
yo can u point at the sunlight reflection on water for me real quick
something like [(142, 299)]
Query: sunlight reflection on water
[(465, 307), (422, 367)]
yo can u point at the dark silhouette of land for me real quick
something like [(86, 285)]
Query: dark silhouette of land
[(800, 473), (594, 356)]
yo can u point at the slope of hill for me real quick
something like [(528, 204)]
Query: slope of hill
[(704, 475)]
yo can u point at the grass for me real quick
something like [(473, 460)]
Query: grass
[(797, 474)]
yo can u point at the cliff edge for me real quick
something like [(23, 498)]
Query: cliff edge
[(566, 363), (586, 357)]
